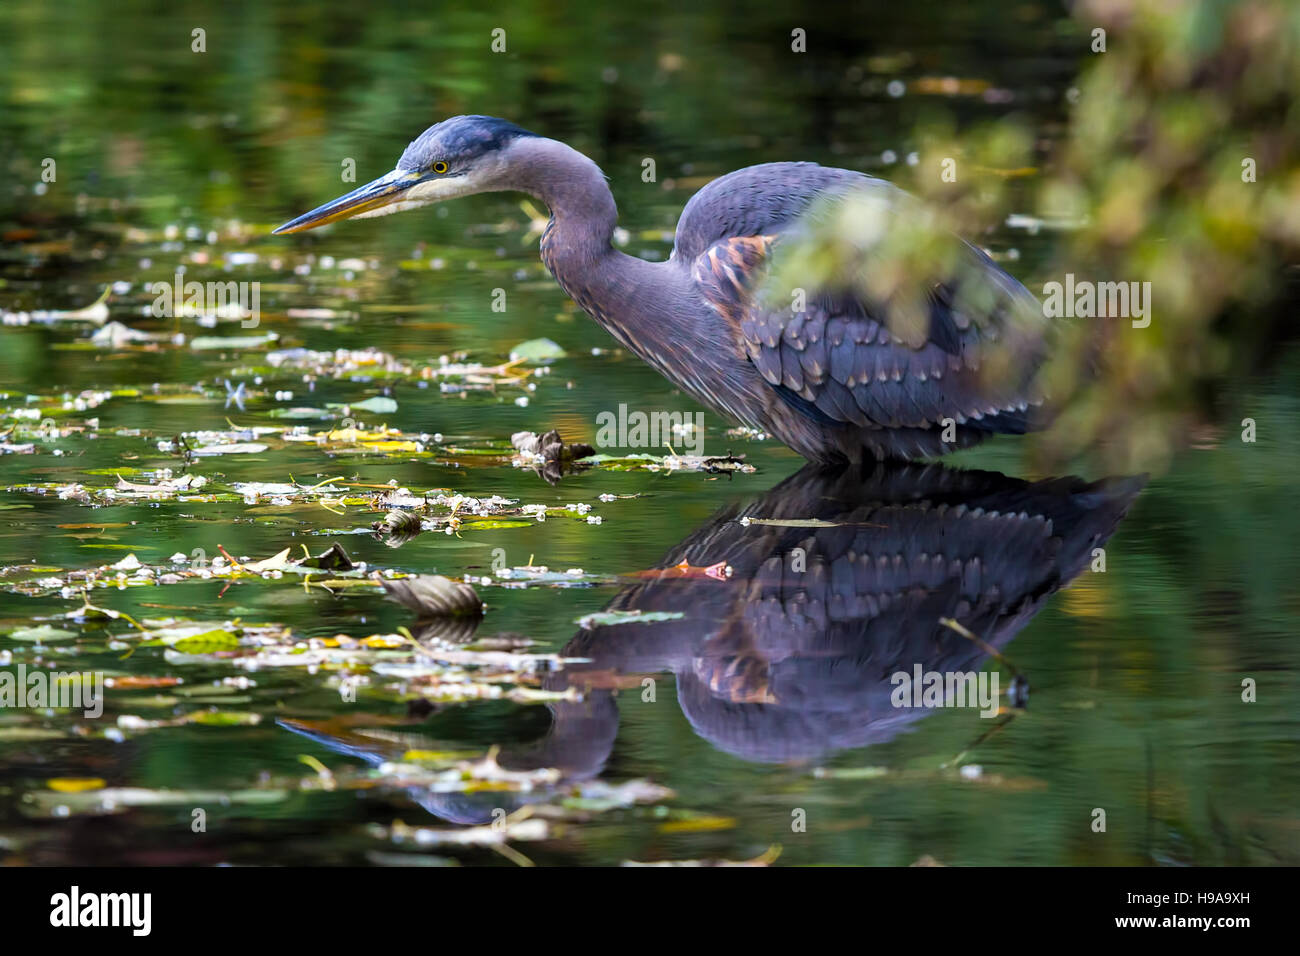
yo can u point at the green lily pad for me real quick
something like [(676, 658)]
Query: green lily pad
[(189, 641), (537, 350)]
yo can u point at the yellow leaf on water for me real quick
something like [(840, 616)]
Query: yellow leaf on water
[(698, 825), (384, 641), (416, 756), (391, 446)]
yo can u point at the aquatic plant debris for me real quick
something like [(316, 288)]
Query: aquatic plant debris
[(433, 595)]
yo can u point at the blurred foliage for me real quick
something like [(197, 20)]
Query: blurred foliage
[(1181, 168), (1184, 155)]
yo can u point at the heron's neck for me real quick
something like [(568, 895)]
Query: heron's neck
[(583, 214), (652, 308), (643, 304)]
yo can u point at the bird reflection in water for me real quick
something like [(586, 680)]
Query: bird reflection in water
[(833, 583)]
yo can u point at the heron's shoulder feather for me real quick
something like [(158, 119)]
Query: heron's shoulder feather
[(757, 200)]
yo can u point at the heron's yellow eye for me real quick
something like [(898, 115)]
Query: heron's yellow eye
[(440, 167)]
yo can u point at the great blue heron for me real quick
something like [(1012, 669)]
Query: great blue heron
[(791, 654), (825, 370)]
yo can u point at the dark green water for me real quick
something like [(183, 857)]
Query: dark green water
[(169, 158)]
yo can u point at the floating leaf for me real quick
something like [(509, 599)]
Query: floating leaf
[(208, 642), (379, 405), (225, 718), (211, 342), (237, 448), (700, 824), (301, 414), (492, 524), (536, 351), (434, 595), (114, 335), (394, 446), (141, 681), (611, 618), (191, 640), (277, 562), (333, 558), (42, 634)]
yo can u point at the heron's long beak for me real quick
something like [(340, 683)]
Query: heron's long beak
[(368, 199)]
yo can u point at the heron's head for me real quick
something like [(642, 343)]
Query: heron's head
[(457, 157)]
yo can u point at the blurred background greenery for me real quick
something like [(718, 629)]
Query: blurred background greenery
[(1136, 140)]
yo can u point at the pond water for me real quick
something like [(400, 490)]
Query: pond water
[(278, 715)]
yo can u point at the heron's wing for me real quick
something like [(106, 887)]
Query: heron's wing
[(838, 362)]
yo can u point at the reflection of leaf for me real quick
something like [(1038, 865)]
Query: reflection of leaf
[(447, 630), (401, 524), (719, 572)]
